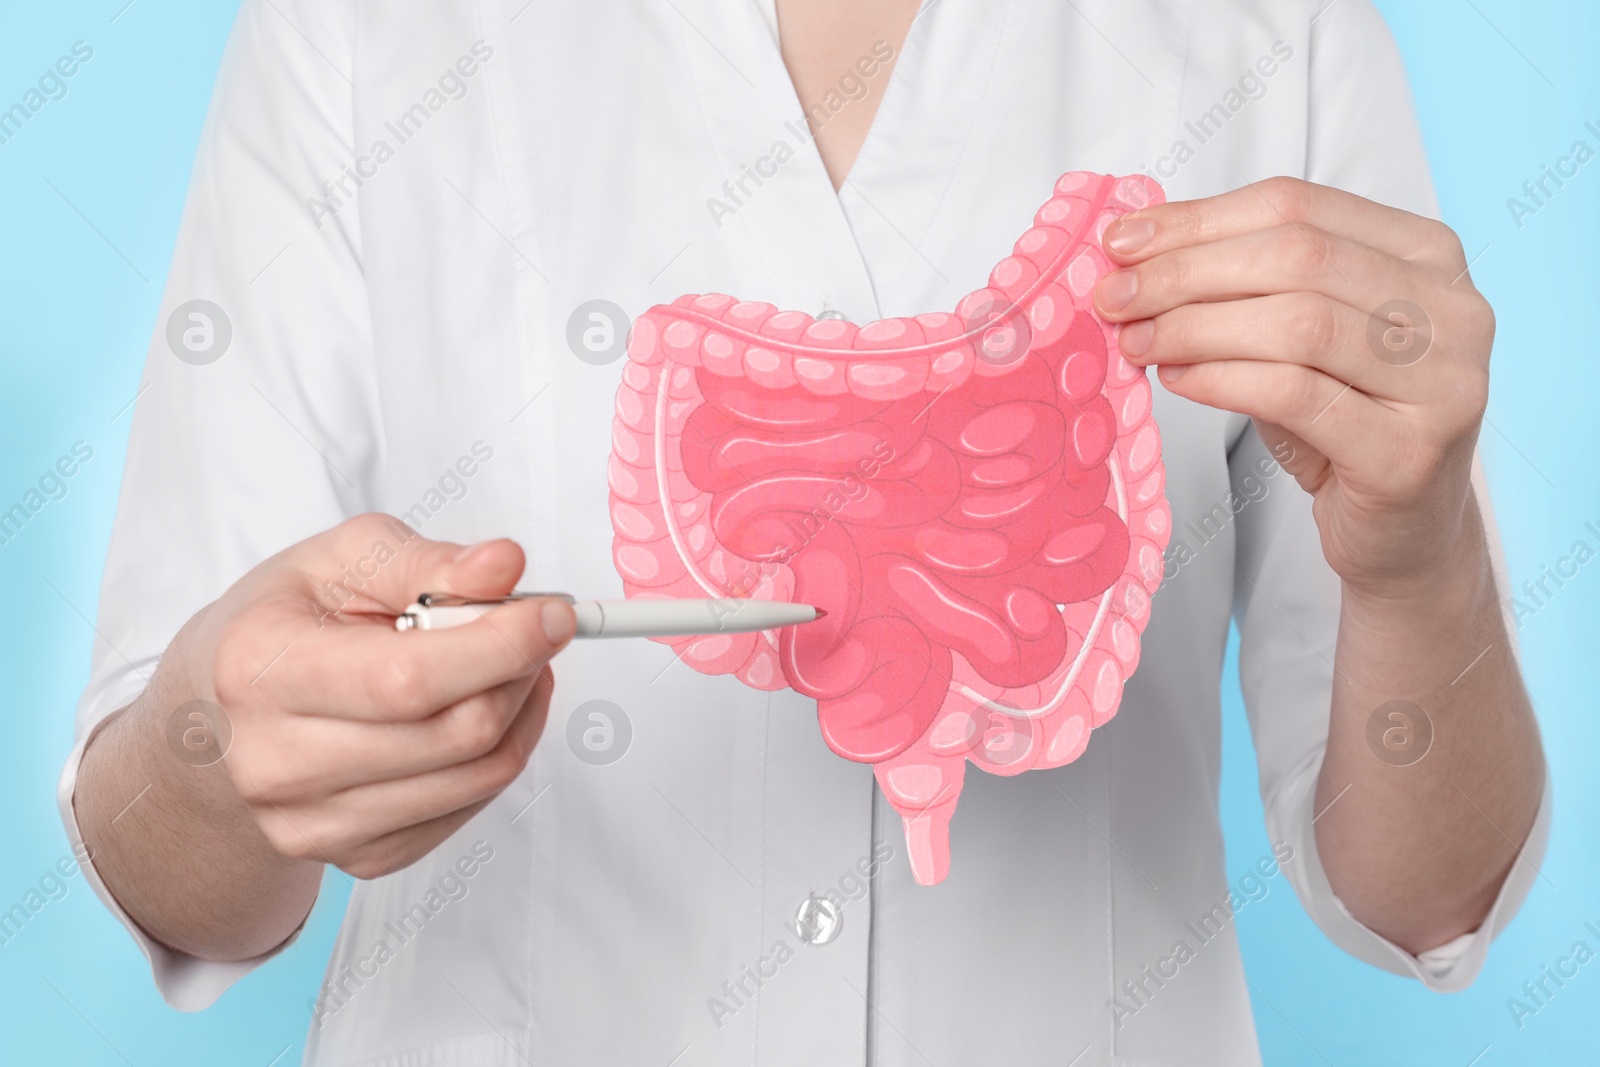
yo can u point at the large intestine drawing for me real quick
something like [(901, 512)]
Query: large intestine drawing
[(976, 498)]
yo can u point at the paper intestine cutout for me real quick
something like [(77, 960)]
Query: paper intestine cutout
[(976, 498)]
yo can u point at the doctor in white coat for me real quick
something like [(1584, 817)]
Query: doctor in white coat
[(400, 214)]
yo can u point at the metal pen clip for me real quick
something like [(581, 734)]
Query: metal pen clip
[(435, 600)]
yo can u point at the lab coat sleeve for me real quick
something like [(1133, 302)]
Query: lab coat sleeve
[(232, 460), (1363, 138)]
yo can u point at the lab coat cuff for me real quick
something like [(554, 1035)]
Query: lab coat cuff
[(186, 982), (1449, 968)]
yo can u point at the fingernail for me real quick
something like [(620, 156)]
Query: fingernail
[(1171, 372), (1134, 338), (558, 620), (469, 550), (1127, 236), (1117, 289)]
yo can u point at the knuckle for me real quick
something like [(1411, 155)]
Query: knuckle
[(1302, 250), (252, 778), (1473, 384), (347, 542), (1445, 240), (235, 660), (269, 780), (1298, 390), (1291, 197), (1480, 316), (394, 684), (476, 728), (372, 862), (506, 764), (284, 838), (1175, 276), (366, 524), (361, 868), (1183, 219), (1313, 325)]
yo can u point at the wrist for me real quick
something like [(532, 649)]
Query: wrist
[(1454, 576), (1423, 627), (1461, 579)]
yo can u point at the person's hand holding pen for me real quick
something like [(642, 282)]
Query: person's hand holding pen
[(352, 744)]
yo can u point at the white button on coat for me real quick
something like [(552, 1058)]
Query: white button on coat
[(818, 920), (400, 207)]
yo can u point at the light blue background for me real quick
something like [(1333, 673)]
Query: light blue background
[(92, 190)]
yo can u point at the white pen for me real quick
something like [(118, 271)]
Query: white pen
[(623, 618)]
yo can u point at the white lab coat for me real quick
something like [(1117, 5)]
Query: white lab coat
[(630, 913)]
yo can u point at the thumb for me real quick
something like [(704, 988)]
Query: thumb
[(380, 564)]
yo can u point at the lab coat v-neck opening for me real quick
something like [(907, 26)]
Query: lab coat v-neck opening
[(742, 137), (917, 110), (768, 11), (819, 246), (797, 225)]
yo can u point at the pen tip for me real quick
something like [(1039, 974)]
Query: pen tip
[(821, 613)]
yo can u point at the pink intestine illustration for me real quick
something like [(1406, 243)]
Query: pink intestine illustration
[(975, 497)]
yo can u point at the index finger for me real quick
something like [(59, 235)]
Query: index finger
[(363, 668), (1276, 202)]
